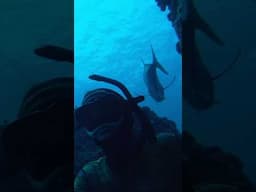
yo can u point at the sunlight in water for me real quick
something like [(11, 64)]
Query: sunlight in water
[(111, 39)]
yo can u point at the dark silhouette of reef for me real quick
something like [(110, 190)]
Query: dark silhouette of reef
[(204, 168), (36, 150), (211, 169)]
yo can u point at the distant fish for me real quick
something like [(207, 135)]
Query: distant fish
[(155, 89), (198, 82), (198, 87), (56, 53)]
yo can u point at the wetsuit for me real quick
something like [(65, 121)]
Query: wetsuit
[(157, 168)]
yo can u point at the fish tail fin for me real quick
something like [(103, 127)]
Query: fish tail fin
[(159, 66), (201, 24), (155, 62)]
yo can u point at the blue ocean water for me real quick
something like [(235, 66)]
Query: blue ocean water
[(112, 36)]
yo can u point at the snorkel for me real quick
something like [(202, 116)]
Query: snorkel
[(148, 130)]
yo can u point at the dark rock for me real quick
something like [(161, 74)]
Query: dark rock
[(204, 166)]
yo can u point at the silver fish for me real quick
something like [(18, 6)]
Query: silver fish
[(155, 88)]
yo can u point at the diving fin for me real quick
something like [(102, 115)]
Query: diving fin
[(201, 24), (55, 53), (155, 62)]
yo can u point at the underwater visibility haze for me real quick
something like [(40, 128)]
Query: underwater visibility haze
[(112, 38)]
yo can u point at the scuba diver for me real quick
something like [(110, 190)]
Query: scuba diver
[(38, 146), (135, 158)]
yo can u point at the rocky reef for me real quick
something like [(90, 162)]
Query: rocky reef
[(209, 168), (177, 14)]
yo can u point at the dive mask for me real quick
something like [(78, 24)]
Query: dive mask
[(103, 113), (102, 117)]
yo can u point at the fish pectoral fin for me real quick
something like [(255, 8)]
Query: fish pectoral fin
[(201, 24), (159, 66), (228, 67), (172, 81)]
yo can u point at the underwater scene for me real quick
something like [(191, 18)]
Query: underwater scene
[(114, 39), (118, 41), (127, 78), (159, 96), (26, 159)]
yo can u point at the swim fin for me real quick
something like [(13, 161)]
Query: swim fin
[(55, 53)]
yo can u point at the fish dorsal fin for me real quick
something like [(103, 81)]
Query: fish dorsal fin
[(202, 25), (153, 54), (171, 82), (155, 62)]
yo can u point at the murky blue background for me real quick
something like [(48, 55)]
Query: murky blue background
[(111, 37)]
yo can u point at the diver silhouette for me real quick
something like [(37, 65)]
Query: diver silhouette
[(135, 158), (39, 145)]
